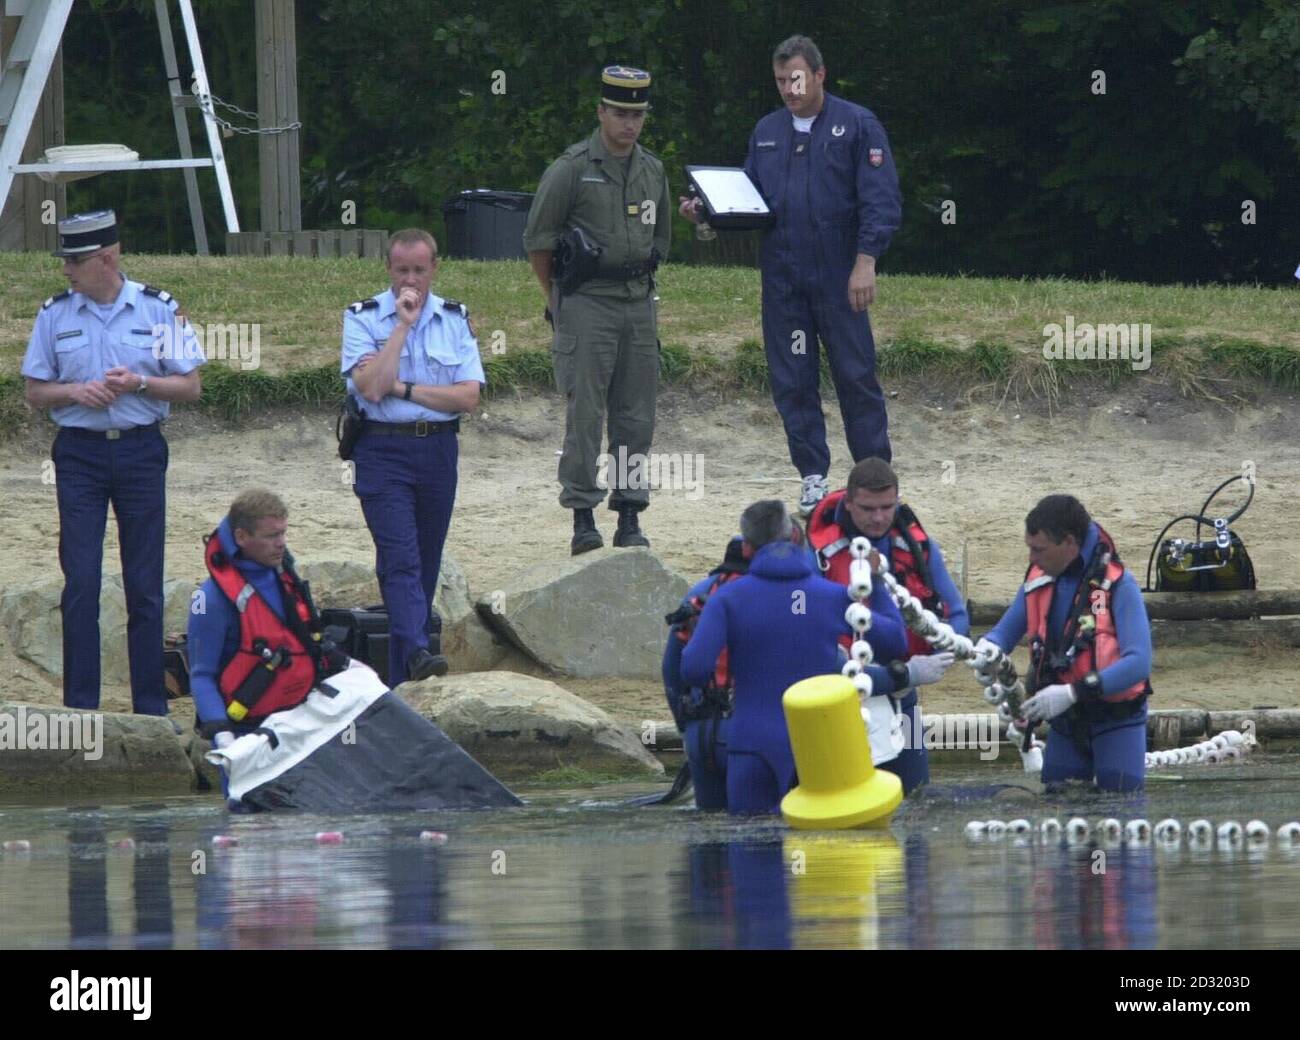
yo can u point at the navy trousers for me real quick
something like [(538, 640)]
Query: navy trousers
[(407, 487), (131, 473), (799, 309)]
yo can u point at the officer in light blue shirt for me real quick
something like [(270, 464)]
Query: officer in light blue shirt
[(107, 357), (412, 364)]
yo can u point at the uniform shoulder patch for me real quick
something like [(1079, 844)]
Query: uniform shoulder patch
[(161, 294), (363, 305), (56, 298), (463, 311)]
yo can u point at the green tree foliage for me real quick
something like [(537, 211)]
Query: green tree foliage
[(993, 107)]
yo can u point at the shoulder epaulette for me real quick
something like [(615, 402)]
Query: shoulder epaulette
[(457, 306), (163, 295), (363, 305), (56, 298), (578, 149)]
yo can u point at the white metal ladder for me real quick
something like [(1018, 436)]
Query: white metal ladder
[(27, 68)]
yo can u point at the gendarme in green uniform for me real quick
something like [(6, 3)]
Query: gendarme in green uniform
[(606, 350)]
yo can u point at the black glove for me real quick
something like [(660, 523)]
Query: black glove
[(550, 318)]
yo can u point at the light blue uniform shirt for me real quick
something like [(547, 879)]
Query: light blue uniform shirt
[(440, 350), (76, 340)]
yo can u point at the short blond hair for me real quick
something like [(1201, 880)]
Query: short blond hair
[(410, 236), (253, 505)]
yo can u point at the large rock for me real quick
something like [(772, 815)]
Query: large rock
[(517, 725), (340, 583), (599, 614), (93, 753), (469, 644), (31, 618)]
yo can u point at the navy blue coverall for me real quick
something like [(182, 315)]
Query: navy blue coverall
[(834, 194)]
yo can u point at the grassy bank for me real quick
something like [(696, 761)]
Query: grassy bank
[(986, 334)]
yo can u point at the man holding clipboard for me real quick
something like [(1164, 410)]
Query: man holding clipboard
[(823, 167)]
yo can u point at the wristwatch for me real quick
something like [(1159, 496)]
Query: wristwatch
[(144, 385), (898, 672), (409, 387)]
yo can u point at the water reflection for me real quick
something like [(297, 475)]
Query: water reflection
[(803, 890), (152, 878)]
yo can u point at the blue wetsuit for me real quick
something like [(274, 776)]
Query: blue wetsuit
[(913, 763), (704, 739), (214, 630), (780, 624), (1112, 751)]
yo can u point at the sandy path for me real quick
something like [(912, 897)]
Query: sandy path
[(1136, 458)]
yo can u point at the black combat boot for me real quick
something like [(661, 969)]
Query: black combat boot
[(629, 533), (585, 535)]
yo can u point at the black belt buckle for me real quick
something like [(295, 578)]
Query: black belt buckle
[(422, 427)]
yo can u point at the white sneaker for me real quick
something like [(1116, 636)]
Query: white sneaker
[(815, 488)]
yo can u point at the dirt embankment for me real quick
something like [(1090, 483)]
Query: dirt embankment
[(1136, 457)]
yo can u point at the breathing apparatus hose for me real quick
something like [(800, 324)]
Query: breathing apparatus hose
[(1199, 518)]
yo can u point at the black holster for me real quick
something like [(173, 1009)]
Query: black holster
[(577, 261), (351, 422)]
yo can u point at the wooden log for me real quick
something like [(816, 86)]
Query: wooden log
[(1275, 632), (327, 243), (279, 243), (1268, 724), (349, 242), (304, 244), (1186, 606), (374, 243), (1175, 727)]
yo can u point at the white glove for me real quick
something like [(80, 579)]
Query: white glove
[(223, 739), (1048, 703), (928, 668), (986, 651)]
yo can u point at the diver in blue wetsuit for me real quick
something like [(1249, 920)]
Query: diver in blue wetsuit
[(779, 624), (702, 713), (1090, 648), (870, 507)]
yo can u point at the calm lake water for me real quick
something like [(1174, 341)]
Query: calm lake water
[(578, 870)]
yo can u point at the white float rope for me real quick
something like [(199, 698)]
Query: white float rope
[(993, 669), (1168, 832), (1229, 746)]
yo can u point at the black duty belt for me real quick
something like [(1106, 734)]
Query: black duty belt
[(422, 428), (625, 272), (108, 435)]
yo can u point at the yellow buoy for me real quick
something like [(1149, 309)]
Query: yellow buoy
[(838, 788)]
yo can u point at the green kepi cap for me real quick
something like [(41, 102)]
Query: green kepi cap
[(625, 87)]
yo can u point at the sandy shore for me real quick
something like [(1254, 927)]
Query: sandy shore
[(1136, 457)]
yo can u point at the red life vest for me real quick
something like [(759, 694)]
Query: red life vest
[(721, 681), (261, 632), (1089, 635), (909, 558)]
